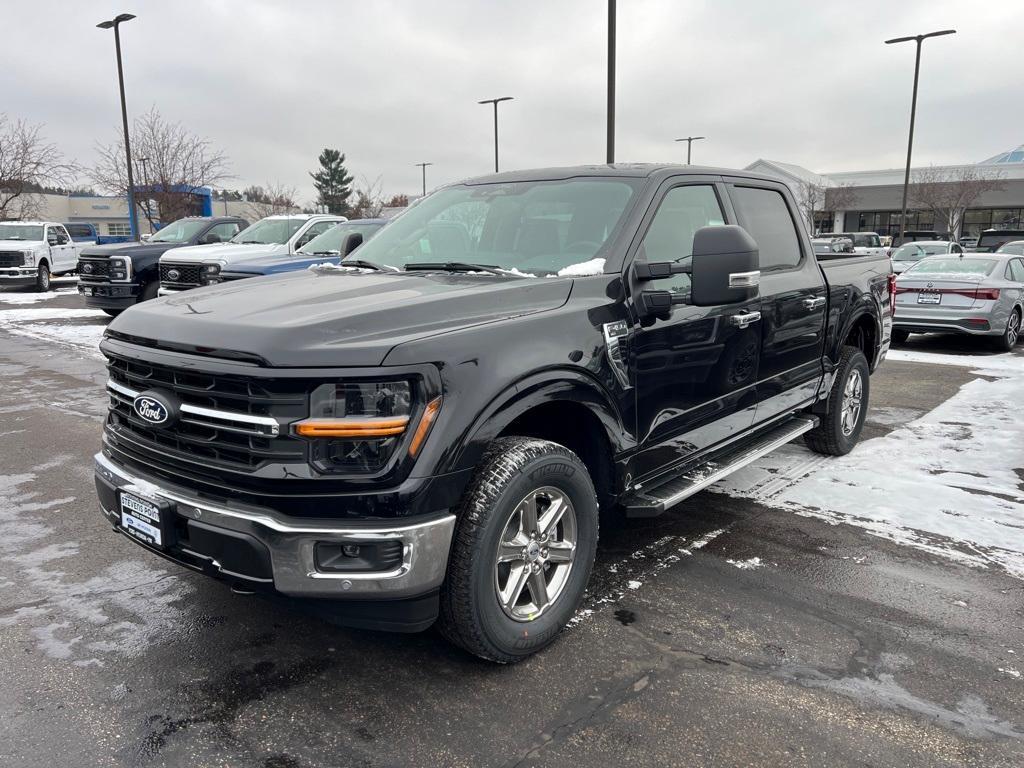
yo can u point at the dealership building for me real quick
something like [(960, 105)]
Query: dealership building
[(877, 196)]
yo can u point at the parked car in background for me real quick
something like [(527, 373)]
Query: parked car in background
[(32, 251), (913, 235), (969, 243), (907, 255), (863, 242), (886, 240), (992, 239), (84, 232), (831, 245), (115, 277), (431, 435), (976, 294), (331, 247), (1015, 248), (272, 236)]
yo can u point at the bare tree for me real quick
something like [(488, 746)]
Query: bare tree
[(270, 200), (28, 165), (176, 162), (948, 192), (369, 200), (817, 198)]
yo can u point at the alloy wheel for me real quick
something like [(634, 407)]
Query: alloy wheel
[(852, 394)]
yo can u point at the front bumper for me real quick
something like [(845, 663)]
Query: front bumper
[(17, 275), (109, 295), (260, 550)]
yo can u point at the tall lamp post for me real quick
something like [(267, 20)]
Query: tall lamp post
[(913, 111), (495, 103), (424, 167), (115, 23), (610, 150), (689, 144)]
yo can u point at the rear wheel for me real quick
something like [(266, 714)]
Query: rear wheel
[(900, 337), (840, 428), (113, 312), (43, 277), (522, 551), (1010, 336)]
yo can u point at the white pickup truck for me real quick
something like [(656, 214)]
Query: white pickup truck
[(32, 251), (191, 267)]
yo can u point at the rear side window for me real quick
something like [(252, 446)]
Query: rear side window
[(1017, 270), (765, 215)]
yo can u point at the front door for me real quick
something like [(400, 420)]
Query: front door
[(696, 371)]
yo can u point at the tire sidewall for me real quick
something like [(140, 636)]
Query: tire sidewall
[(42, 278), (1004, 341), (524, 638), (855, 362)]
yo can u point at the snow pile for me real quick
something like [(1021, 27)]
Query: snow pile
[(585, 269), (78, 328), (329, 266), (7, 297), (746, 565)]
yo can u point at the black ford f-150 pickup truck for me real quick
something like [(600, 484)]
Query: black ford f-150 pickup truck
[(114, 277), (433, 429)]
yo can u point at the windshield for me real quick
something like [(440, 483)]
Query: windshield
[(917, 251), (269, 231), (180, 231), (535, 227), (330, 241), (955, 266), (21, 232), (1016, 249)]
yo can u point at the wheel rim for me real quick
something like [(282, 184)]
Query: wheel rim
[(1013, 329), (536, 554), (44, 277), (852, 395)]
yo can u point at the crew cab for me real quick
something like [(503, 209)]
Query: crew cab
[(329, 248), (32, 251), (991, 240), (271, 236), (432, 430), (115, 277)]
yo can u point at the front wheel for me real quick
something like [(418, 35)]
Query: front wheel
[(841, 426), (522, 552), (42, 278)]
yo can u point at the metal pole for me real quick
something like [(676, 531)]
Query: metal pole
[(133, 219), (424, 167), (610, 158), (689, 144), (910, 142), (495, 136)]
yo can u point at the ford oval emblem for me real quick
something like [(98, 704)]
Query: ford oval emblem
[(173, 274), (152, 409), (87, 268)]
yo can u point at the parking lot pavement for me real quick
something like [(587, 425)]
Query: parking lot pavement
[(807, 612)]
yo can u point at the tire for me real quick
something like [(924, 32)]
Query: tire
[(474, 613), (113, 312), (1011, 335), (43, 278), (899, 337), (831, 437)]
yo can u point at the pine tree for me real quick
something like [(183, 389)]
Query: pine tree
[(333, 182)]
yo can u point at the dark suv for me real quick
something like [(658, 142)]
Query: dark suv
[(114, 277)]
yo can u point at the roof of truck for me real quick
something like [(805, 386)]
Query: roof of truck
[(621, 170)]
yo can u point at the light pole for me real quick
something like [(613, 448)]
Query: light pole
[(115, 23), (424, 167), (689, 144), (610, 151), (913, 111), (495, 103)]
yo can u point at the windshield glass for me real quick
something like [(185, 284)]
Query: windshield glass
[(330, 241), (955, 266), (21, 232), (535, 227), (1015, 248), (180, 231), (269, 231), (917, 251)]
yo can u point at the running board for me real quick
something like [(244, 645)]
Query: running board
[(653, 500)]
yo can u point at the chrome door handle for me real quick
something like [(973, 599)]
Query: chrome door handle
[(815, 303), (742, 321)]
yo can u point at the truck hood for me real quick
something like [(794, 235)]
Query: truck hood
[(334, 319), (129, 249), (225, 253), (23, 245)]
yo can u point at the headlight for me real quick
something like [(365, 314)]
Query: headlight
[(118, 269), (29, 259), (211, 274), (357, 426)]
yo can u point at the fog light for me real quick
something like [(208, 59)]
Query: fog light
[(351, 550)]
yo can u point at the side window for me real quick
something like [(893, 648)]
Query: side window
[(225, 231), (62, 235), (682, 212), (765, 215), (1017, 268)]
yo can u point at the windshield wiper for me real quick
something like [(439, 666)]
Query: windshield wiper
[(457, 266), (367, 265), (252, 242)]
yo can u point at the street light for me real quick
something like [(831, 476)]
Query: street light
[(610, 150), (913, 111), (424, 167), (495, 103), (115, 23), (689, 143)]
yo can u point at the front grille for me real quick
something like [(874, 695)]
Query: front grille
[(230, 422), (96, 268), (12, 259), (185, 275)]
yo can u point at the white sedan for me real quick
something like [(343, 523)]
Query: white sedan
[(907, 255)]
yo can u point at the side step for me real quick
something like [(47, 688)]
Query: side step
[(655, 499)]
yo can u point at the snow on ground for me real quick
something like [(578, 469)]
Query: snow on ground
[(81, 329), (11, 297), (947, 482)]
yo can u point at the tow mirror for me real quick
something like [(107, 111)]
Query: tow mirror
[(212, 237), (352, 241)]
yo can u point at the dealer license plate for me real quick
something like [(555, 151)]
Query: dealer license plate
[(929, 298), (141, 518)]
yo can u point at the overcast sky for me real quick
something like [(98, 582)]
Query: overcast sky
[(395, 82)]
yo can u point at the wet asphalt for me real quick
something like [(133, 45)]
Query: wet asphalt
[(844, 649)]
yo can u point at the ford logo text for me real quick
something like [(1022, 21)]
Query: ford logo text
[(150, 410)]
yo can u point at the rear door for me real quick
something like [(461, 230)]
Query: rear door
[(694, 371), (793, 299)]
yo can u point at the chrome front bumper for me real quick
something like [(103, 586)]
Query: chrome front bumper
[(19, 274), (292, 543)]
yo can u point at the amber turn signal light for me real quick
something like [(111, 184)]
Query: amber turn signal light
[(423, 428), (352, 428)]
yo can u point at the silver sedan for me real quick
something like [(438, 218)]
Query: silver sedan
[(976, 294), (909, 254)]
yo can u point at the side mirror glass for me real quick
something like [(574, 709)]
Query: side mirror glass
[(724, 266), (352, 241), (212, 237)]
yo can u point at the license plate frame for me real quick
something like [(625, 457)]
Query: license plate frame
[(929, 297), (144, 519)]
